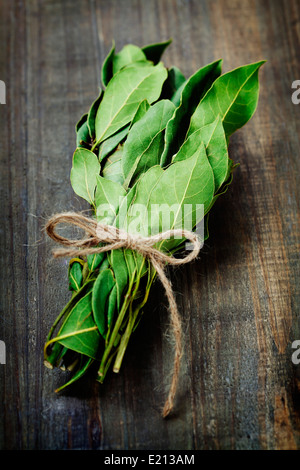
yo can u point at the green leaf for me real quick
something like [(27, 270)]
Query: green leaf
[(107, 68), (112, 303), (233, 96), (75, 276), (112, 170), (95, 260), (192, 92), (112, 142), (126, 56), (83, 139), (84, 173), (92, 115), (189, 182), (119, 266), (81, 121), (172, 87), (107, 198), (214, 139), (145, 141), (154, 52), (141, 111), (102, 288), (79, 330), (123, 95)]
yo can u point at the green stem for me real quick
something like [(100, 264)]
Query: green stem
[(102, 377), (116, 328), (131, 323)]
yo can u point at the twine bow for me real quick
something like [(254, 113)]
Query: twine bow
[(115, 239)]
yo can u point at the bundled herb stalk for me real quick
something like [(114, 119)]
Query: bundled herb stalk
[(151, 151)]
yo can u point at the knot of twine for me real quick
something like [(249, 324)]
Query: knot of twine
[(116, 238)]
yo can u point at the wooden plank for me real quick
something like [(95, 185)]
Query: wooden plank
[(240, 302)]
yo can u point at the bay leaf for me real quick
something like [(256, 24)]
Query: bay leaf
[(130, 53), (92, 115), (101, 290), (123, 95), (140, 112), (84, 173), (112, 142), (75, 276), (107, 68), (189, 182), (145, 141), (172, 87), (120, 269), (108, 197), (112, 169), (192, 92), (95, 260), (81, 121), (214, 139), (154, 51), (233, 96), (73, 334), (83, 139)]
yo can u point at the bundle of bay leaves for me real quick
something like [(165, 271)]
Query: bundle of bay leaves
[(152, 138)]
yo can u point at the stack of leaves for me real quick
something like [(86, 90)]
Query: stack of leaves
[(152, 138)]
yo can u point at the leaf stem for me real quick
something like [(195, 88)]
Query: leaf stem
[(116, 327), (131, 323)]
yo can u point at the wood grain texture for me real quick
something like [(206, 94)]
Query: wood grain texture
[(240, 302)]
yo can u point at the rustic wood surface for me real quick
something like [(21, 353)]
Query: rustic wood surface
[(240, 302)]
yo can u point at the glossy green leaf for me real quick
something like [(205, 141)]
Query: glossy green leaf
[(112, 169), (107, 68), (75, 276), (173, 85), (102, 288), (145, 141), (81, 121), (123, 95), (112, 142), (194, 89), (83, 139), (107, 199), (92, 115), (119, 266), (189, 182), (126, 56), (214, 139), (154, 51), (141, 111), (233, 96), (78, 332), (84, 173), (112, 305), (95, 260)]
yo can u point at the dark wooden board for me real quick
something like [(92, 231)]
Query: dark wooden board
[(240, 301)]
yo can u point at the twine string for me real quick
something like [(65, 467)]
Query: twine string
[(116, 238)]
